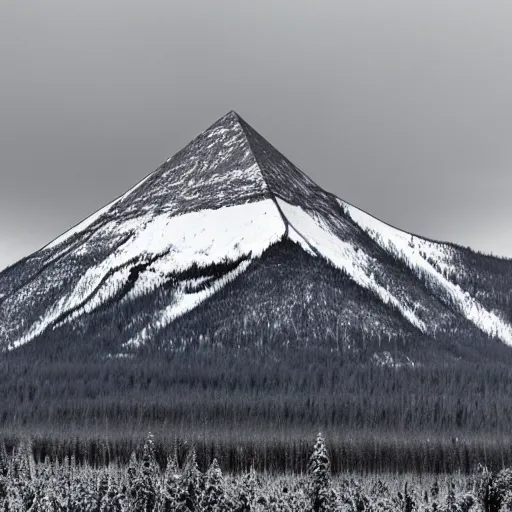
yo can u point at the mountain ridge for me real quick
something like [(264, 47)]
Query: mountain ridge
[(220, 203)]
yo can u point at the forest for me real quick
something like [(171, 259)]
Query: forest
[(252, 409), (180, 484)]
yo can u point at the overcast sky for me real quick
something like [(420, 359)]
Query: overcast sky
[(403, 108)]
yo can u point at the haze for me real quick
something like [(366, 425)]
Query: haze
[(401, 108)]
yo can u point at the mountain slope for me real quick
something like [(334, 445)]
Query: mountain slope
[(227, 207)]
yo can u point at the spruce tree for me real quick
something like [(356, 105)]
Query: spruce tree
[(319, 469), (131, 477), (143, 478), (22, 464), (171, 485), (213, 498), (191, 483), (247, 494)]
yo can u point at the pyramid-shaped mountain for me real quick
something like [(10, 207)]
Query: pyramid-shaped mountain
[(229, 244)]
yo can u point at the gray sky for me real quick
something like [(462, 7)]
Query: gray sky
[(403, 108)]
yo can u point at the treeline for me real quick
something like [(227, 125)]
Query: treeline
[(368, 454), (180, 484), (249, 407), (303, 390)]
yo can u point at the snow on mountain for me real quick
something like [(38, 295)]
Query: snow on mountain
[(172, 244), (343, 254), (416, 252), (203, 219)]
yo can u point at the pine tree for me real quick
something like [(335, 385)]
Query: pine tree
[(142, 477), (247, 492), (171, 491), (149, 464), (191, 483), (213, 498), (22, 473), (319, 469), (21, 467), (131, 478)]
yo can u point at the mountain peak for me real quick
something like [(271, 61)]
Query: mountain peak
[(275, 174), (203, 218), (232, 113), (230, 121)]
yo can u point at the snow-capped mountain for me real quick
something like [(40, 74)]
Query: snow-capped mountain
[(229, 243)]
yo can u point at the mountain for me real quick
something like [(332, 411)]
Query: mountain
[(228, 244)]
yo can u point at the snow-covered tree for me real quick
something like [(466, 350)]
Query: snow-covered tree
[(132, 472), (495, 490), (142, 478), (22, 464), (319, 469), (191, 483), (170, 494), (247, 492), (213, 497)]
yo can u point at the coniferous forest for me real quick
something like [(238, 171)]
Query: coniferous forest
[(254, 410), (180, 484)]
